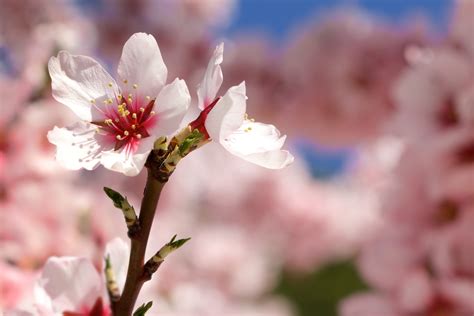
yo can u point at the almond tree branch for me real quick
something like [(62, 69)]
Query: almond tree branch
[(160, 164), (135, 280)]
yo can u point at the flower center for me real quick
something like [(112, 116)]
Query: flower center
[(127, 120)]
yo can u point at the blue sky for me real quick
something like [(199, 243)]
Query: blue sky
[(278, 17)]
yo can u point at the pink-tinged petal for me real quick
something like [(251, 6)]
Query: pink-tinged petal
[(416, 292), (228, 114), (71, 283), (275, 159), (141, 64), (459, 291), (171, 106), (76, 146), (118, 251), (77, 81), (128, 161), (260, 144), (212, 80), (368, 305)]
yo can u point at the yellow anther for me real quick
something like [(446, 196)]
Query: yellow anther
[(118, 137), (110, 84), (105, 101), (119, 97), (148, 97), (126, 133), (130, 99), (134, 126), (134, 116), (138, 136), (110, 101), (135, 86), (142, 110), (122, 109), (130, 95), (152, 113), (125, 81), (92, 101)]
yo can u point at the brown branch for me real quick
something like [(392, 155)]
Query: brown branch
[(135, 274), (160, 165)]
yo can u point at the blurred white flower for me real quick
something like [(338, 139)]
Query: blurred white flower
[(119, 121), (72, 285)]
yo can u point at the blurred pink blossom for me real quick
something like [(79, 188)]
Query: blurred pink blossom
[(421, 260), (340, 72)]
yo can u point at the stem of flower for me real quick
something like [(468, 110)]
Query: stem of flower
[(135, 274)]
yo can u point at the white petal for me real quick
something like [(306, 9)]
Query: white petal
[(275, 159), (260, 144), (171, 106), (76, 146), (76, 80), (141, 64), (212, 80), (118, 251), (130, 164), (228, 114), (71, 283)]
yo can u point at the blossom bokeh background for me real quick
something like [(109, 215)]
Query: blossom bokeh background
[(374, 218)]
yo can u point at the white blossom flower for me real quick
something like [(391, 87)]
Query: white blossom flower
[(224, 119), (118, 121), (73, 286)]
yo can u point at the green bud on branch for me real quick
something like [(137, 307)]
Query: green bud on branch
[(190, 142), (143, 309), (166, 155), (112, 287), (169, 248), (154, 263), (128, 211), (160, 146), (181, 149)]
